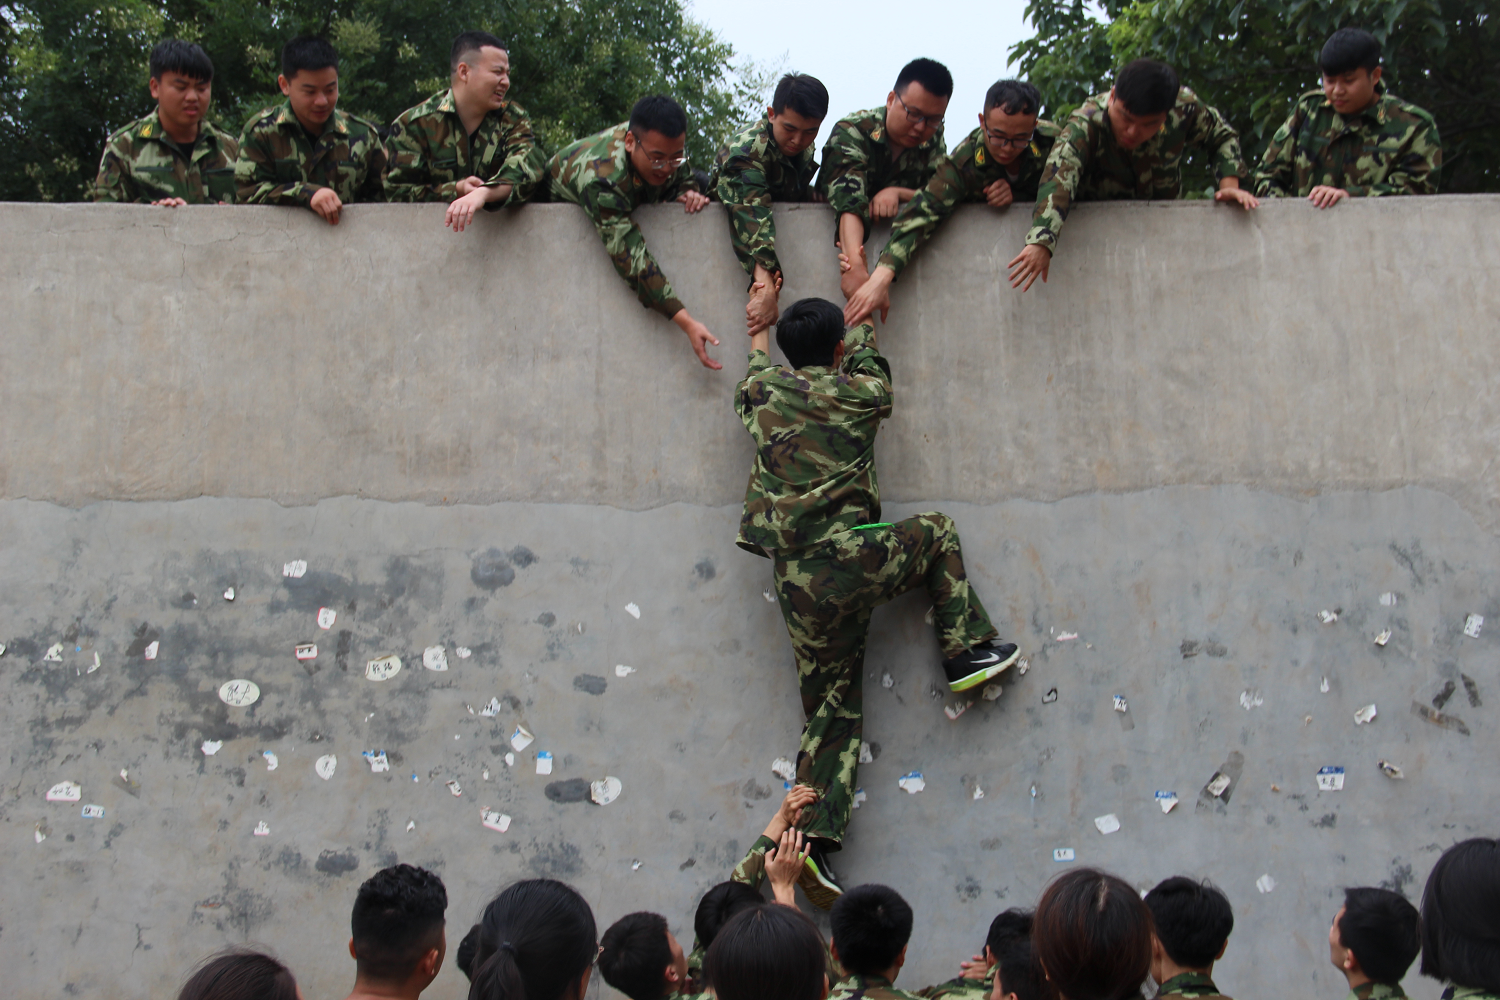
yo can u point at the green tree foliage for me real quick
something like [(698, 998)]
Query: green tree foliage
[(74, 71), (1252, 58)]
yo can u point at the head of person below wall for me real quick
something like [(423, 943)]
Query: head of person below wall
[(1460, 941), (767, 952), (915, 107), (241, 974), (657, 138), (1092, 936), (535, 941), (397, 932)]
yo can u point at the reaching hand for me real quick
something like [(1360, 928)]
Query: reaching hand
[(461, 212), (1028, 265), (998, 194), (886, 204), (171, 203), (693, 201), (1246, 200), (1326, 196), (699, 337), (792, 805), (872, 295), (784, 863), (325, 201), (975, 969), (762, 310), (467, 185)]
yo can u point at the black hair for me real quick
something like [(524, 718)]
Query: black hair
[(397, 918), (1014, 97), (472, 41), (536, 939), (1460, 944), (1147, 87), (931, 74), (767, 951), (1092, 936), (658, 113), (1009, 943), (1193, 920), (636, 955), (307, 52), (173, 55), (240, 974), (719, 904), (804, 94), (1380, 927), (808, 331), (1347, 50), (870, 924)]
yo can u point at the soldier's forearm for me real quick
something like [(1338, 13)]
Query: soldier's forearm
[(852, 236)]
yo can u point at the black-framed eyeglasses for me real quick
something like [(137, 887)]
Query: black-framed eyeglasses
[(917, 118), (1002, 140), (661, 159)]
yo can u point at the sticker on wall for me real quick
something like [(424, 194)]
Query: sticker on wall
[(383, 668), (435, 658), (239, 693), (294, 569)]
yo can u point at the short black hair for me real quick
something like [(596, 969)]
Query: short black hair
[(931, 74), (804, 94), (718, 905), (307, 52), (1193, 920), (767, 951), (636, 955), (398, 916), (658, 113), (1009, 943), (1347, 50), (870, 925), (1458, 916), (808, 331), (1147, 87), (472, 41), (1381, 928), (1014, 97), (173, 55)]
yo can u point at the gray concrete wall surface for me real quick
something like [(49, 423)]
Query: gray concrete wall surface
[(1206, 429)]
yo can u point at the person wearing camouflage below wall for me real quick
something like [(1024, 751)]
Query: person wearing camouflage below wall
[(173, 156), (769, 161), (812, 506), (1128, 144), (307, 152), (609, 175), (467, 145), (875, 161), (999, 163), (1351, 139)]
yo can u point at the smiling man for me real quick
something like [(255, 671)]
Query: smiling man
[(306, 151), (1128, 144), (768, 161), (173, 156), (875, 161), (609, 175), (1351, 139), (999, 164), (469, 145)]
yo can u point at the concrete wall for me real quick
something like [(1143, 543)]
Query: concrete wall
[(1207, 428)]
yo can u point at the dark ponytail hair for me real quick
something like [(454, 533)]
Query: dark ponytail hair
[(767, 951), (1091, 934), (240, 974), (533, 942)]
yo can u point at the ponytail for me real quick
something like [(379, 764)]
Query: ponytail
[(533, 942)]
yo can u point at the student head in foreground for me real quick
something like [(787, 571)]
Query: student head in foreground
[(1092, 935), (767, 952), (721, 904), (811, 334), (535, 941), (241, 974), (1373, 941), (1008, 953), (869, 927), (397, 932), (1193, 921), (641, 958), (1460, 945)]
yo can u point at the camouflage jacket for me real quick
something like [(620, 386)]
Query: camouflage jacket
[(960, 989), (280, 164), (595, 174), (142, 164), (1456, 992), (750, 173), (1391, 147), (962, 176), (814, 431), (858, 987), (1087, 165), (1191, 985), (430, 152), (1379, 991), (859, 162)]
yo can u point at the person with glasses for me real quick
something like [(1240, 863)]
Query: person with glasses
[(609, 175), (767, 161), (875, 161), (1128, 144), (1000, 162)]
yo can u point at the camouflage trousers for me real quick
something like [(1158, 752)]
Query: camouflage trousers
[(827, 592)]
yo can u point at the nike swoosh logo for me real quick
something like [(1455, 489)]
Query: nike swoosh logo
[(992, 658)]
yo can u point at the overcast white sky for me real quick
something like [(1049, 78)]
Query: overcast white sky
[(858, 59)]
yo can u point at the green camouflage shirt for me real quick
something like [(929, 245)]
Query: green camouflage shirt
[(1191, 985), (430, 152), (1377, 991), (859, 162), (750, 173), (960, 989), (281, 164), (1087, 165), (142, 164), (1391, 147), (814, 431), (1455, 992), (595, 174), (962, 176), (857, 987)]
